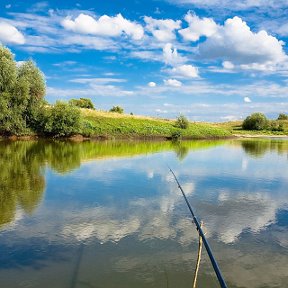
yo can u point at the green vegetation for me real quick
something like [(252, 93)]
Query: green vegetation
[(182, 122), (235, 128), (122, 126), (62, 119), (117, 109), (82, 103), (256, 121), (21, 95), (282, 116)]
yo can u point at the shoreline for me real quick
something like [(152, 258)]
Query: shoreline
[(81, 138)]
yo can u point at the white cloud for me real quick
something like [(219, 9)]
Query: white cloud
[(97, 80), (173, 83), (231, 4), (228, 65), (161, 111), (247, 100), (104, 26), (163, 30), (198, 27), (235, 42), (147, 55), (10, 34), (152, 84), (171, 56), (187, 71)]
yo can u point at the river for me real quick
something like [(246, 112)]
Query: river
[(109, 214)]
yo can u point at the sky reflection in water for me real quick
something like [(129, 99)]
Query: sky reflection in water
[(109, 214)]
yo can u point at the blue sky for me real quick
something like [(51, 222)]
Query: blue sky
[(211, 60)]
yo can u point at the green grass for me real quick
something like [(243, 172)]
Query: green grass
[(109, 125), (235, 127)]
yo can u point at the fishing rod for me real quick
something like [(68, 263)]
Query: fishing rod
[(202, 235)]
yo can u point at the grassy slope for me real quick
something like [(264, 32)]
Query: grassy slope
[(109, 124)]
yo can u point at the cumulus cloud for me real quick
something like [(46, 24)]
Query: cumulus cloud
[(163, 30), (247, 99), (151, 84), (173, 83), (171, 56), (198, 27), (235, 42), (187, 71), (10, 34), (104, 26), (228, 65)]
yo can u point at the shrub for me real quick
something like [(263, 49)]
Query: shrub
[(117, 109), (63, 119), (86, 128), (282, 116), (276, 126), (176, 135), (182, 122), (82, 103), (256, 121)]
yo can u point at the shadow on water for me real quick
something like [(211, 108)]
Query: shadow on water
[(258, 148), (22, 181), (22, 163)]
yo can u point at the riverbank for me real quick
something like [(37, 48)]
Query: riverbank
[(101, 125), (114, 125)]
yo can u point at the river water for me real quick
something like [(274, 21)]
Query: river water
[(109, 214)]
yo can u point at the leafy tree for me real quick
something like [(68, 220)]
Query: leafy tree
[(21, 92), (82, 103), (31, 77), (256, 121), (11, 106), (117, 109), (62, 119), (182, 122), (282, 116)]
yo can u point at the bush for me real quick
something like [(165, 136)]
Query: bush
[(182, 122), (282, 116), (256, 121), (117, 109), (62, 119), (276, 126), (176, 135), (82, 103)]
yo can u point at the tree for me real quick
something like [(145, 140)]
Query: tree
[(62, 119), (30, 75), (256, 121), (11, 106), (8, 70), (82, 103), (282, 116), (21, 94), (117, 109), (182, 122)]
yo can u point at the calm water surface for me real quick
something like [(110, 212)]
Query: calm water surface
[(109, 214)]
